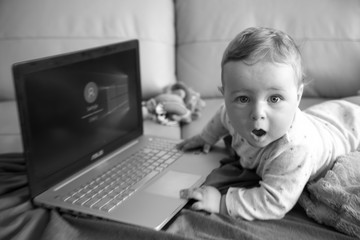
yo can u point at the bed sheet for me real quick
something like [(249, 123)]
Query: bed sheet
[(21, 220)]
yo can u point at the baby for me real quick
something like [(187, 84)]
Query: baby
[(262, 85)]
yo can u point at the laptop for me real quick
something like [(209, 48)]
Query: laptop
[(82, 130)]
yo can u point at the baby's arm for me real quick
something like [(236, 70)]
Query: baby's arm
[(283, 179), (211, 133)]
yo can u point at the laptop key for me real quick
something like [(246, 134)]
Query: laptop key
[(101, 203), (91, 202), (108, 207), (145, 180)]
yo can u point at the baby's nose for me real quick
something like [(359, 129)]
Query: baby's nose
[(258, 112), (257, 117)]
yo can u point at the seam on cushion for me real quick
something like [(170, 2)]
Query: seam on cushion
[(296, 39)]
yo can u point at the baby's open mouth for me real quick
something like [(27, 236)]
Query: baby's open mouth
[(259, 132)]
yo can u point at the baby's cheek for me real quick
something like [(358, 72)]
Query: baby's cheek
[(280, 126)]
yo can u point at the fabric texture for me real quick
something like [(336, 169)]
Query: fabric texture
[(21, 220), (335, 199)]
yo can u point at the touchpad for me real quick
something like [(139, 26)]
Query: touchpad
[(171, 183)]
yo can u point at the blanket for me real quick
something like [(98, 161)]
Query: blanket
[(334, 200), (20, 219), (201, 225)]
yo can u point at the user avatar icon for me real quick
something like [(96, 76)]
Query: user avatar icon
[(91, 92)]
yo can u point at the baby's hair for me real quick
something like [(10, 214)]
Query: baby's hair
[(258, 43)]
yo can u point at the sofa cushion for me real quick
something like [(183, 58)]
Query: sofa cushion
[(10, 139), (327, 32), (38, 28)]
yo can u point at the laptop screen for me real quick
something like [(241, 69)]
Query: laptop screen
[(77, 107)]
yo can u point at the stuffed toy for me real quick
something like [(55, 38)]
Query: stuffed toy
[(177, 104)]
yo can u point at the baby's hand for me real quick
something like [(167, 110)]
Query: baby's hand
[(208, 198), (194, 142)]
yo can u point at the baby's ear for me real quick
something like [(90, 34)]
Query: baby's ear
[(300, 92), (221, 89)]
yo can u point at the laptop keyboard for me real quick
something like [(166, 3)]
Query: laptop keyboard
[(108, 190)]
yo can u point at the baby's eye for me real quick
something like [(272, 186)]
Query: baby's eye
[(242, 99), (275, 99)]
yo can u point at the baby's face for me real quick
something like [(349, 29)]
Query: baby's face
[(261, 99)]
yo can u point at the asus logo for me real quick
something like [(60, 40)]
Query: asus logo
[(97, 155)]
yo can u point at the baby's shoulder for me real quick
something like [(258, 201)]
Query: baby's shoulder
[(302, 132), (288, 153), (333, 109), (292, 142)]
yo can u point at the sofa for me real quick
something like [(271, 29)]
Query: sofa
[(180, 41)]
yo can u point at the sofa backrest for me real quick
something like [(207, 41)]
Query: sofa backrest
[(39, 28), (327, 31)]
